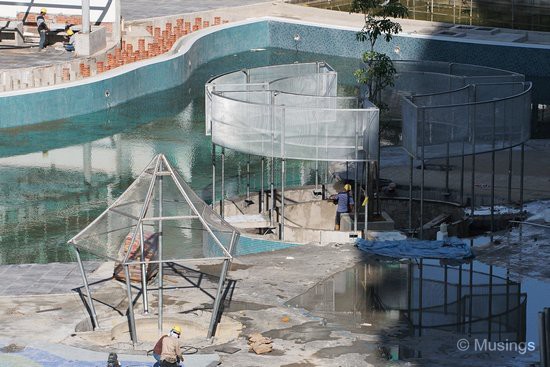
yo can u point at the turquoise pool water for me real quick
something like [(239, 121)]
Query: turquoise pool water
[(56, 177)]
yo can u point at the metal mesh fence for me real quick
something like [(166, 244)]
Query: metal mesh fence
[(298, 117), (486, 113), (190, 228)]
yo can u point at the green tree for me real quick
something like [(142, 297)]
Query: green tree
[(379, 71)]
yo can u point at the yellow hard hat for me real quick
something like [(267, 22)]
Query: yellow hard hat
[(347, 187), (176, 329), (43, 11), (70, 32)]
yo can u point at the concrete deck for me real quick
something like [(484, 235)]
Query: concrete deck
[(39, 309)]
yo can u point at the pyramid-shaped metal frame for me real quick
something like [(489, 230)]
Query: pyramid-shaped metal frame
[(158, 168)]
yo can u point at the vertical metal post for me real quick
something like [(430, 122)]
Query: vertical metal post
[(547, 334), (445, 290), (222, 199), (218, 299), (493, 173), (356, 178), (272, 172), (261, 199), (283, 178), (420, 281), (447, 163), (422, 202), (510, 157), (213, 175), (86, 286), (473, 203), (143, 269), (422, 180), (367, 170), (410, 279), (248, 178), (462, 175), (410, 193), (471, 304), (133, 334), (543, 333), (283, 174), (161, 264), (316, 174), (522, 172), (272, 192), (459, 299), (490, 313)]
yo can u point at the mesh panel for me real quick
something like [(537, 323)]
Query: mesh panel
[(476, 119), (299, 118), (188, 223)]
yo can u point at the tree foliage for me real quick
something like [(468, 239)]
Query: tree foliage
[(378, 71)]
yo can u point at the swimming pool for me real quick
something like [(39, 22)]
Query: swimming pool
[(58, 176)]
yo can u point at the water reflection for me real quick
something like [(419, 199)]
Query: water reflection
[(423, 298), (56, 177)]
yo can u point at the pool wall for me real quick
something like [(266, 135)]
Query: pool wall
[(109, 89)]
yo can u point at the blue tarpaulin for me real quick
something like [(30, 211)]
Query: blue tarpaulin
[(411, 248)]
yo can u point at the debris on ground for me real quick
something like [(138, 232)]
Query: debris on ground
[(260, 344)]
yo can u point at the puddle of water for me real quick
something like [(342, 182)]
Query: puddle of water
[(429, 299)]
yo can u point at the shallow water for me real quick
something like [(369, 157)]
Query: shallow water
[(56, 177), (392, 297)]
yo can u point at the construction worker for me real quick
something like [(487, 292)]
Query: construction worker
[(43, 28), (171, 353), (70, 42), (344, 202)]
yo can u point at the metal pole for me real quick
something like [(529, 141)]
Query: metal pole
[(161, 264), (88, 293), (213, 175), (422, 181), (542, 339), (133, 334), (261, 201), (490, 320), (248, 178), (410, 192), (356, 178), (447, 163), (86, 16), (473, 205), (217, 301), (143, 270), (283, 177), (445, 289), (493, 174), (471, 304), (547, 334), (459, 299), (222, 199), (510, 156), (462, 175), (522, 172), (420, 281), (272, 192), (367, 169), (283, 174)]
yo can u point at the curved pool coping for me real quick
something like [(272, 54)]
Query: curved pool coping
[(174, 68)]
